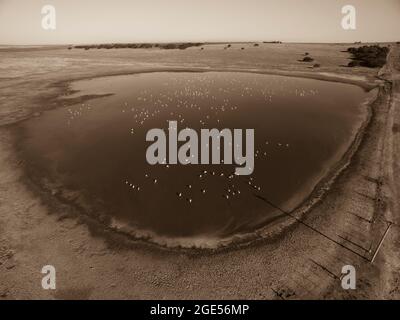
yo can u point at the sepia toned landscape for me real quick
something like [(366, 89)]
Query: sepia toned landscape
[(324, 193)]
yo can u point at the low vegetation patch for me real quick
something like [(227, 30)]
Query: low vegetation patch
[(368, 56), (308, 59), (180, 46)]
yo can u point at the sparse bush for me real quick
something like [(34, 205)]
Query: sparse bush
[(256, 45), (317, 65), (308, 59)]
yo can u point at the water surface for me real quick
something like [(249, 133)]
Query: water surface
[(94, 153)]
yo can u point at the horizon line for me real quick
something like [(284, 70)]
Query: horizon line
[(202, 42)]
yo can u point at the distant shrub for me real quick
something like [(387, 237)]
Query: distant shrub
[(306, 54), (170, 46), (308, 59), (317, 65), (256, 45), (145, 46), (229, 45), (242, 48), (368, 56)]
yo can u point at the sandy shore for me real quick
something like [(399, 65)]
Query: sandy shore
[(303, 262)]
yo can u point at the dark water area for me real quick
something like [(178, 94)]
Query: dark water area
[(94, 153)]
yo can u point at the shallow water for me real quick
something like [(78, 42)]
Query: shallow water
[(94, 153)]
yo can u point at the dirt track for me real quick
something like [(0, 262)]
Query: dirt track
[(36, 230)]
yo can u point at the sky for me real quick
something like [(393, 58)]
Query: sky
[(110, 21)]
